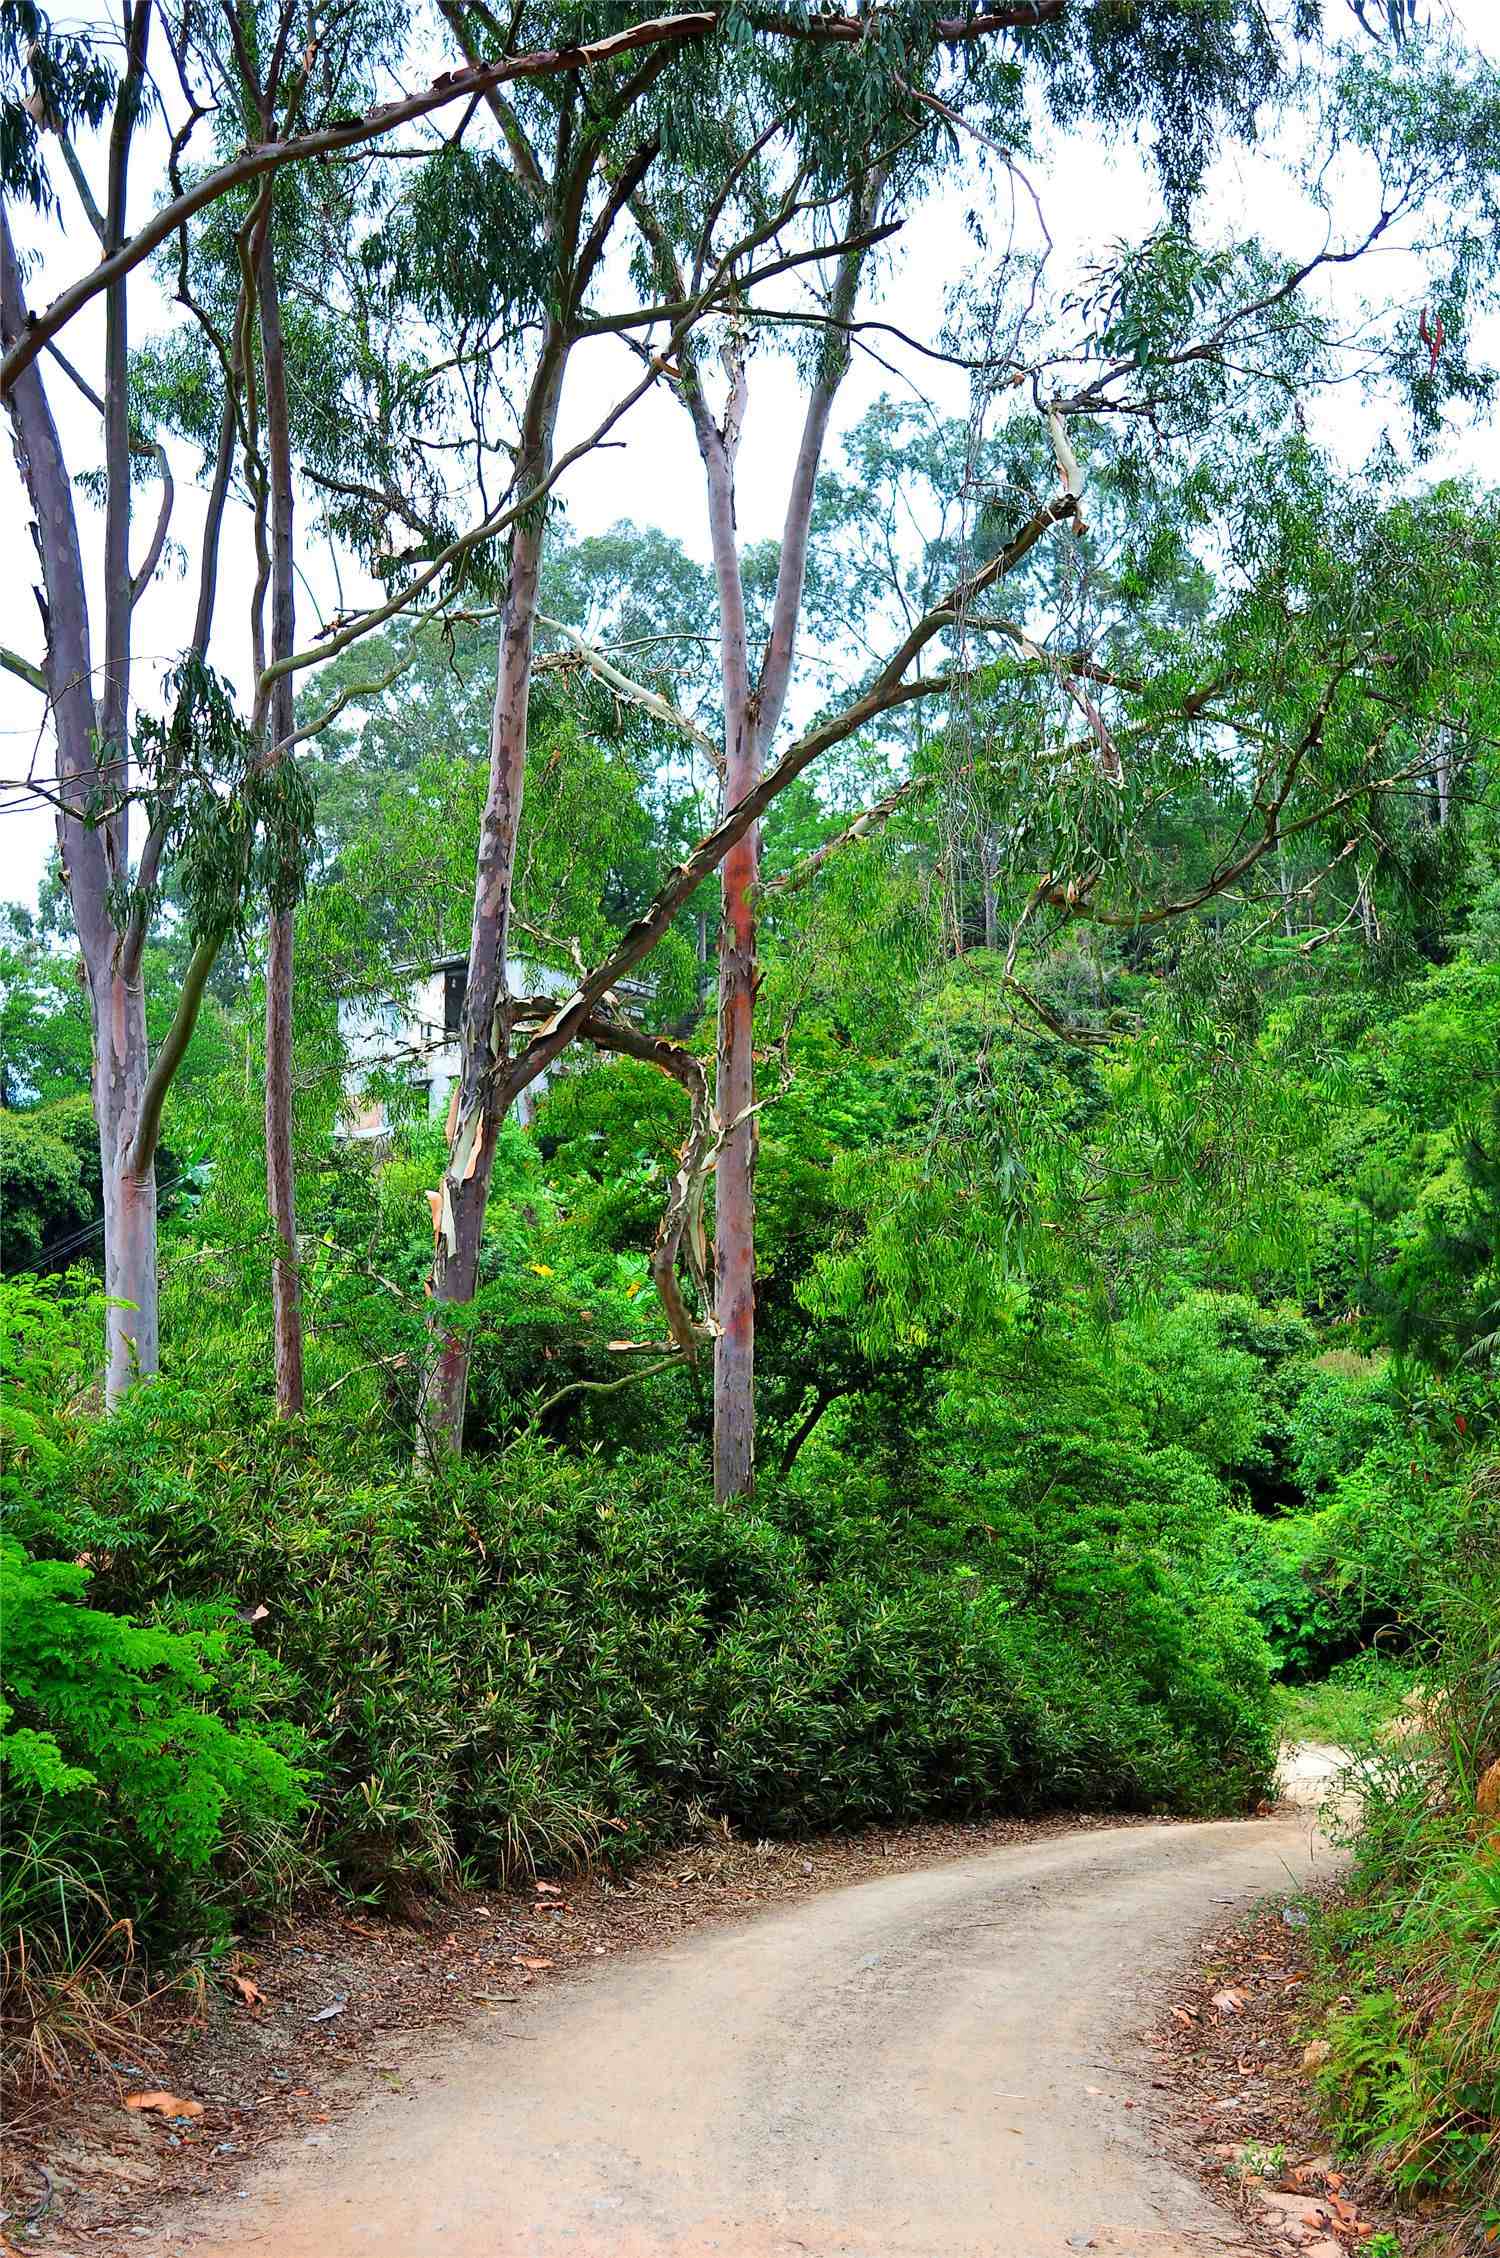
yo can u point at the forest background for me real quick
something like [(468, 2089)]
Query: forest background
[(993, 1304)]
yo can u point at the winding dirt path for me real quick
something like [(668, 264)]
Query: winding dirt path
[(934, 2065)]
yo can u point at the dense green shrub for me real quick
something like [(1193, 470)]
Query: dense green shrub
[(511, 1662), (46, 1190), (107, 1725), (141, 1778)]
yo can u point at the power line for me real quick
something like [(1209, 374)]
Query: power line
[(56, 1252)]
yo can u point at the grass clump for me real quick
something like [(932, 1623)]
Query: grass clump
[(1412, 2081)]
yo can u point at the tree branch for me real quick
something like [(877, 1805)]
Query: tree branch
[(174, 1045), (651, 701), (158, 542), (13, 663), (324, 141), (886, 691)]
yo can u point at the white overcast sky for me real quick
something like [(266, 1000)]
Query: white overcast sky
[(1092, 195)]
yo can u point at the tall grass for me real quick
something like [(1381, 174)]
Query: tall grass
[(1413, 2077), (69, 1980)]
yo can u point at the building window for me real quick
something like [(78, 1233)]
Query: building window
[(455, 987), (423, 1099)]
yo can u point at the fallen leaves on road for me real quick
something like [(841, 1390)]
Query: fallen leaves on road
[(1236, 2053), (258, 2066), (249, 1991)]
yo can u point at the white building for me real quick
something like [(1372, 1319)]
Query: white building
[(414, 1034)]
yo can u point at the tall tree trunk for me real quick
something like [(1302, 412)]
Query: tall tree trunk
[(130, 1278), (94, 853), (117, 990), (734, 1230), (734, 1196), (751, 720), (1442, 777), (484, 1037), (281, 1180)]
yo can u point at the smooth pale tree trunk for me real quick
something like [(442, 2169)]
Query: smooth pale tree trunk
[(734, 1230), (1442, 777), (734, 1195), (281, 1178), (130, 1280), (751, 717), (485, 1033), (93, 854)]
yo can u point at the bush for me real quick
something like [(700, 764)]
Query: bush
[(140, 1783), (98, 1710), (130, 1780), (1413, 2077), (510, 1664)]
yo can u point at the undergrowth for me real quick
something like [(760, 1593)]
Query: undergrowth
[(525, 1662), (1348, 1707), (1412, 1955)]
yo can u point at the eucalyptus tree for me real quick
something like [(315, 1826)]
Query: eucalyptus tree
[(249, 76), (1208, 352), (278, 84), (211, 807), (537, 212), (753, 697), (868, 164), (281, 379)]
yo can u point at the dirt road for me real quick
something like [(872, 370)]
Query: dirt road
[(931, 2066)]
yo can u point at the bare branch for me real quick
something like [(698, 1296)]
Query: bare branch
[(158, 542)]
